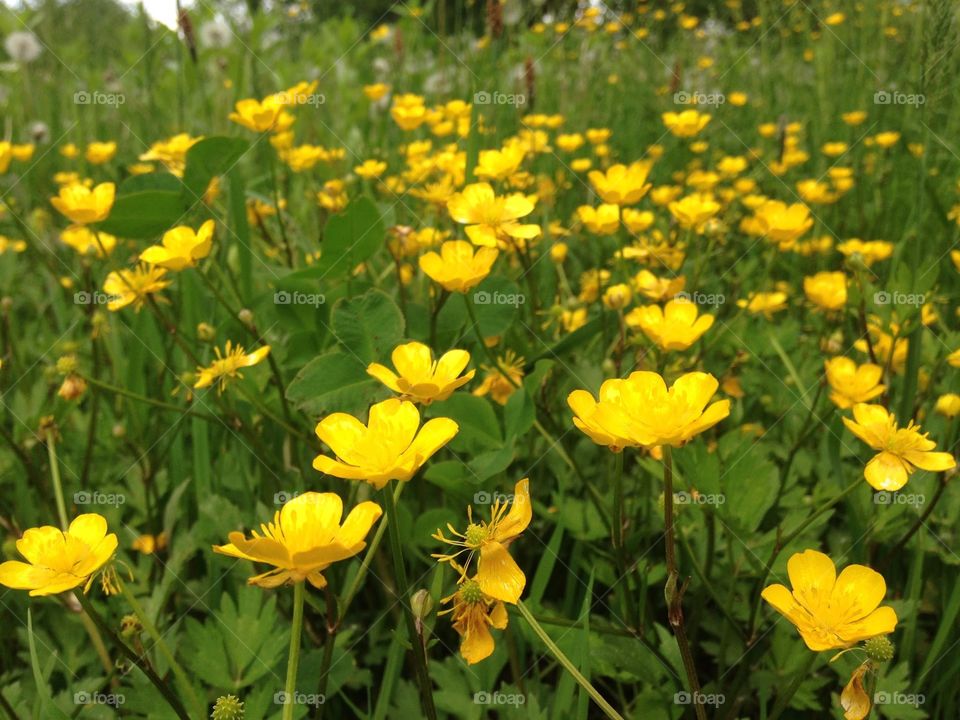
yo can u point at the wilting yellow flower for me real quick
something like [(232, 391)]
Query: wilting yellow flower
[(132, 286), (851, 383), (81, 205), (601, 220), (228, 364), (620, 184), (420, 378), (685, 124), (181, 247), (472, 615), (948, 405), (854, 699), (500, 382), (640, 411), (829, 611), (388, 448), (765, 303), (498, 575), (60, 560), (902, 450), (827, 290), (304, 539), (457, 268), (693, 211), (490, 218), (782, 223), (99, 153), (84, 240), (676, 326), (259, 116)]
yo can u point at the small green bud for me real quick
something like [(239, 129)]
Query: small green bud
[(228, 707), (879, 649), (422, 604)]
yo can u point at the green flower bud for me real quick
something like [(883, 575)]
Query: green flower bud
[(879, 649), (228, 707)]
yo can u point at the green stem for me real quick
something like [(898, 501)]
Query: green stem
[(333, 624), (403, 591), (293, 660), (567, 665), (150, 401), (55, 477)]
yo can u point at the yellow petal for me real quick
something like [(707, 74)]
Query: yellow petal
[(854, 699), (498, 574), (886, 471), (89, 527), (477, 643), (521, 511), (812, 576), (857, 592)]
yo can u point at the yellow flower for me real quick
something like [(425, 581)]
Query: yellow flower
[(388, 448), (869, 252), (827, 290), (884, 344), (902, 450), (260, 116), (60, 560), (376, 92), (656, 288), (636, 221), (370, 169), (854, 699), (472, 615), (693, 211), (228, 364), (85, 241), (887, 139), (457, 268), (617, 296), (82, 205), (829, 611), (500, 164), (685, 124), (765, 303), (304, 539), (99, 153), (408, 111), (622, 185), (498, 575), (854, 118), (676, 326), (6, 156), (851, 384), (500, 382), (782, 223), (601, 220), (181, 247), (948, 405), (131, 287), (6, 244), (420, 378), (490, 218), (640, 411)]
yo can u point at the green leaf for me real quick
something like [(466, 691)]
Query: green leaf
[(144, 214), (333, 381), (496, 303), (369, 326), (349, 238), (750, 485), (151, 181), (479, 428), (206, 159)]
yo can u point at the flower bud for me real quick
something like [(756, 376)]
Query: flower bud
[(228, 707), (879, 649)]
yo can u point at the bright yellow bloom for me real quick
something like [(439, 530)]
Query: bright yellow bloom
[(782, 223), (457, 268), (376, 92), (902, 450), (640, 411), (85, 241), (99, 153), (851, 383), (172, 152), (617, 297), (620, 184), (601, 220), (765, 303), (498, 575), (827, 290), (685, 124), (6, 156), (693, 211), (885, 344), (832, 612), (408, 111), (370, 169), (676, 326), (228, 364), (388, 448), (473, 614), (82, 205), (132, 286), (636, 221), (490, 218), (181, 247), (420, 378), (304, 539), (657, 288), (854, 118), (60, 560), (869, 252), (948, 405), (500, 164), (260, 116), (501, 381)]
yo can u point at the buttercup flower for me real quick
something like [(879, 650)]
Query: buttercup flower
[(620, 184), (473, 614), (497, 380), (457, 268), (82, 206), (601, 220), (902, 450), (391, 446), (419, 377), (676, 326), (132, 286), (228, 364), (304, 539), (851, 383), (685, 124), (59, 560), (764, 303), (490, 218), (827, 290), (829, 611), (260, 116), (181, 247), (784, 224), (85, 241), (693, 211)]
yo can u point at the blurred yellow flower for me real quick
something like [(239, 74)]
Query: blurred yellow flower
[(827, 290), (82, 206), (676, 326), (490, 218), (601, 220), (99, 153), (459, 266), (783, 223), (259, 116), (421, 379), (181, 247), (622, 184), (693, 211), (851, 383), (685, 124)]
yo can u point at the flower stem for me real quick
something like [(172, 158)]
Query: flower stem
[(567, 665), (403, 591), (673, 594), (293, 660), (55, 477)]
